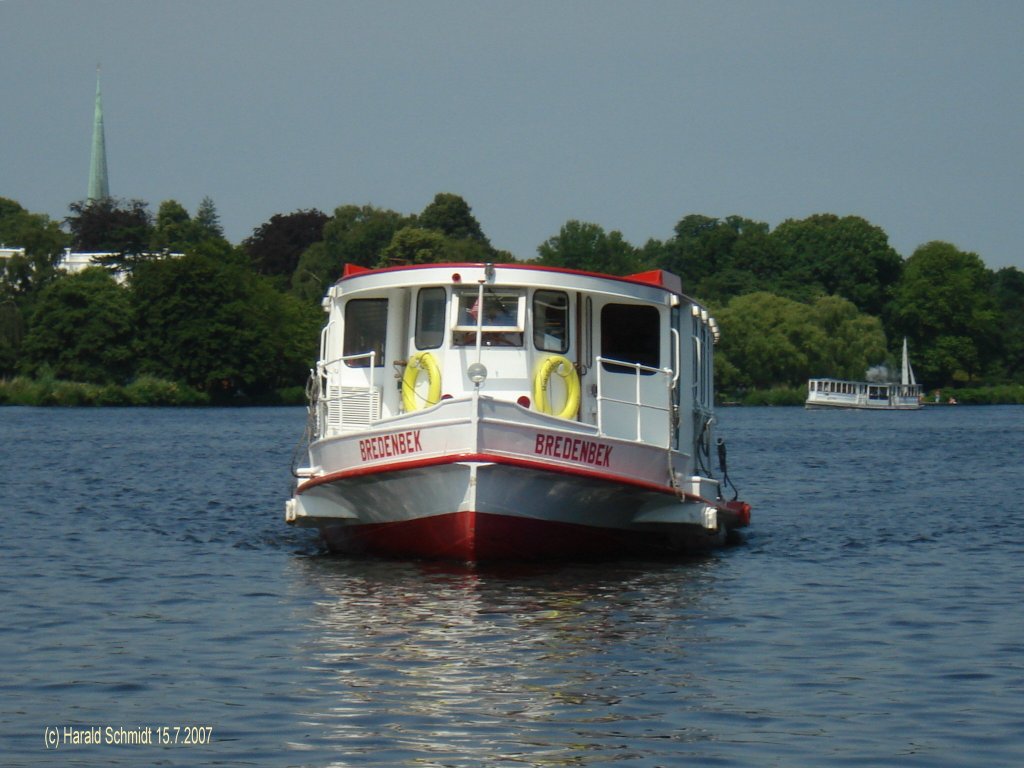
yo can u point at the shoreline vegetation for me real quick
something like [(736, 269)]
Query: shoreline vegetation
[(149, 391), (145, 391), (165, 311)]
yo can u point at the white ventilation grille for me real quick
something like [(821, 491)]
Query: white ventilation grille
[(351, 408)]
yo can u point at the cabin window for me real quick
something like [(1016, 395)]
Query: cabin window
[(430, 305), (630, 333), (366, 326), (551, 321), (503, 313)]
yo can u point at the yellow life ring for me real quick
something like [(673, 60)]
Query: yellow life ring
[(421, 361), (564, 368)]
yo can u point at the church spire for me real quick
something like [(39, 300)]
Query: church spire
[(99, 187)]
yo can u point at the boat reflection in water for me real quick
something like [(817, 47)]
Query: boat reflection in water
[(444, 664)]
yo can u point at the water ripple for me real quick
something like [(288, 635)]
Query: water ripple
[(871, 618)]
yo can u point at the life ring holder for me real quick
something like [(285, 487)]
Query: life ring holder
[(559, 365), (426, 362)]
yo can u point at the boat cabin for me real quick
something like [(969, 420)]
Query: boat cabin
[(631, 355)]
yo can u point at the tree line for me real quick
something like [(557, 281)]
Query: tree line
[(820, 296)]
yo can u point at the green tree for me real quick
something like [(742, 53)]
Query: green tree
[(413, 245), (851, 342), (23, 275), (701, 248), (177, 232), (9, 207), (206, 319), (450, 215), (174, 230), (766, 341), (1008, 292), (587, 247), (769, 340), (43, 241), (719, 259), (12, 332), (845, 256), (945, 306), (207, 220), (82, 329), (276, 245), (108, 225), (353, 235)]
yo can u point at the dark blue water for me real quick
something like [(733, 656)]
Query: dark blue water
[(872, 618)]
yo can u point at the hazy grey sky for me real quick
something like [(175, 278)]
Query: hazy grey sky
[(630, 115)]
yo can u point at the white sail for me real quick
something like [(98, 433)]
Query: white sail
[(908, 372)]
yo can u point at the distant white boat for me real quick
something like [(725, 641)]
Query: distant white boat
[(904, 395)]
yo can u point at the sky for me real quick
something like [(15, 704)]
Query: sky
[(630, 115)]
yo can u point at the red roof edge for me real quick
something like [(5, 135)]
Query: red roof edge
[(659, 278), (353, 269)]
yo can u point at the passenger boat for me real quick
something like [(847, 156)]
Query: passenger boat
[(492, 412), (904, 395)]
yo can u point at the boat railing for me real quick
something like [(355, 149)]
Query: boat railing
[(643, 430), (344, 405)]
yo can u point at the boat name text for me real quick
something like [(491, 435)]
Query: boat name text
[(396, 444), (573, 449)]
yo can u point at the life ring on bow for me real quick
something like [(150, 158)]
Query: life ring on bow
[(561, 366), (421, 361)]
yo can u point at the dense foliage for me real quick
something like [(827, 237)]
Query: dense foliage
[(81, 329), (192, 318), (209, 321), (769, 340), (276, 246), (175, 309)]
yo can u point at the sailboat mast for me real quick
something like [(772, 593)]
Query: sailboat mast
[(907, 376)]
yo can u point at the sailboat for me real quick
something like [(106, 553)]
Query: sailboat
[(904, 395)]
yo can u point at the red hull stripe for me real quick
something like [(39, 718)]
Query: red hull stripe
[(489, 458), (475, 536)]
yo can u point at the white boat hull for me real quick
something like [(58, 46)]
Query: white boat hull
[(485, 480), (819, 403)]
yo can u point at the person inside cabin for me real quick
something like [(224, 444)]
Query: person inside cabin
[(499, 312)]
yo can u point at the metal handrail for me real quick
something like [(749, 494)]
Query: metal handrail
[(638, 370), (327, 367)]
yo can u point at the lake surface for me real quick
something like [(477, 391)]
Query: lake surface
[(873, 617)]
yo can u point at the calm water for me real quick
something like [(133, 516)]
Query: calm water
[(873, 617)]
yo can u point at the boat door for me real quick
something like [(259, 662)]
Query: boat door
[(634, 370), (354, 362)]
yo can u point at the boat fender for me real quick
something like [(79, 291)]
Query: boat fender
[(426, 362), (564, 368)]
